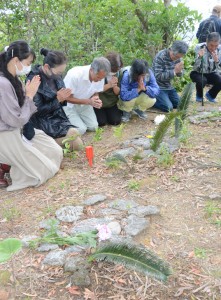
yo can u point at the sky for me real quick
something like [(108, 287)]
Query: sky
[(204, 7)]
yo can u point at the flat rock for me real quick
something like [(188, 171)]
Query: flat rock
[(135, 224), (122, 204), (47, 247), (90, 224), (69, 213), (55, 258), (143, 210), (95, 199)]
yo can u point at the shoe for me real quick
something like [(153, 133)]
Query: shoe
[(140, 114), (198, 99), (126, 117), (3, 181), (208, 97)]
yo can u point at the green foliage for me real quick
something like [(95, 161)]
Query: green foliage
[(115, 161), (165, 158), (67, 146), (183, 106), (180, 82), (200, 252), (133, 185), (135, 258), (213, 212), (162, 129), (140, 31), (8, 248), (118, 130), (98, 134), (79, 239)]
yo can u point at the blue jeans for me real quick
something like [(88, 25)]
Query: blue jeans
[(167, 100)]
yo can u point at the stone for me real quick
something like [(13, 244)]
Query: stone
[(69, 213), (109, 212), (124, 152), (55, 258), (90, 224), (80, 278), (114, 227), (48, 224), (138, 142), (135, 224), (95, 199), (143, 210), (122, 204), (27, 239), (76, 249), (47, 247), (76, 263)]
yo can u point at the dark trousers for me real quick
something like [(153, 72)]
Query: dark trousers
[(211, 78), (111, 115)]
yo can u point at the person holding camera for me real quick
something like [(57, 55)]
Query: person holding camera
[(207, 67)]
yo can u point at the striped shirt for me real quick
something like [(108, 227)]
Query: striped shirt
[(163, 67)]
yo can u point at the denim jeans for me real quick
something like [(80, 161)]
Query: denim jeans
[(167, 100)]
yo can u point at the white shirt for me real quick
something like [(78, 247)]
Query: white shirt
[(78, 80)]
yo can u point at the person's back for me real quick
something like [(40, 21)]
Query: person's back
[(211, 24)]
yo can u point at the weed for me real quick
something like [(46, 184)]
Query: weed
[(118, 131), (68, 152), (98, 134), (10, 213), (113, 164), (165, 158), (137, 156), (133, 185), (200, 252), (185, 134), (212, 209), (175, 178)]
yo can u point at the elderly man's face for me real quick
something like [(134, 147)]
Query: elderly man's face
[(212, 46), (175, 56), (97, 76)]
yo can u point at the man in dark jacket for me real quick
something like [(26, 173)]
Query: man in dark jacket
[(211, 24)]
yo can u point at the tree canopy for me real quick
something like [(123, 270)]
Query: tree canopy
[(83, 29)]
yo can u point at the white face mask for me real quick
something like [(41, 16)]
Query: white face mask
[(25, 70)]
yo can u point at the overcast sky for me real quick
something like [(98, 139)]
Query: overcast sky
[(204, 7)]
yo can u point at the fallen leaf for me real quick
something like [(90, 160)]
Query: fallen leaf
[(89, 294), (74, 290)]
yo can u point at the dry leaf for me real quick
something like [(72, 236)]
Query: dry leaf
[(4, 295), (74, 290), (89, 294)]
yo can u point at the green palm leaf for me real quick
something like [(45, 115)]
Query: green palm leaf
[(162, 129), (183, 106), (133, 257)]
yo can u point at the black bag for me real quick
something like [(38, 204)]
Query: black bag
[(208, 26)]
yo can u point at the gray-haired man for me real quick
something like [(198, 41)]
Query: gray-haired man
[(86, 82), (166, 65)]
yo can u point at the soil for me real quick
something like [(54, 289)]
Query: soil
[(186, 234)]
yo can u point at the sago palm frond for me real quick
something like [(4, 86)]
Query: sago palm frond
[(183, 106), (133, 257), (162, 129)]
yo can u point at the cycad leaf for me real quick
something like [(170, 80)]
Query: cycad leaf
[(133, 257), (162, 129), (185, 97), (8, 247), (183, 106)]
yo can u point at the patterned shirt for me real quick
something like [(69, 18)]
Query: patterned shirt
[(163, 67), (206, 64)]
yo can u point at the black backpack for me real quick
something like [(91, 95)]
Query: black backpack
[(208, 26)]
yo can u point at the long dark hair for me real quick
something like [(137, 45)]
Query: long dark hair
[(53, 58), (138, 67), (21, 50)]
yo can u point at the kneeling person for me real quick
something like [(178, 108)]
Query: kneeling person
[(138, 89)]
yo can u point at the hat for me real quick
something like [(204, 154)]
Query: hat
[(217, 9)]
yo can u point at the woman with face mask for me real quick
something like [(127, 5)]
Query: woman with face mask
[(50, 99), (31, 163)]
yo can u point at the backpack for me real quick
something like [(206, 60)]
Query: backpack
[(208, 26)]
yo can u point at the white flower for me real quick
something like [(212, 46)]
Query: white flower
[(159, 119), (104, 232)]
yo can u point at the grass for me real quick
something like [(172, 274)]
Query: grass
[(165, 158), (133, 185)]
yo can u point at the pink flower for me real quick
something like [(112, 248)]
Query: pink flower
[(104, 232), (220, 108)]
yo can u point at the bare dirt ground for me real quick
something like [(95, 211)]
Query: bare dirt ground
[(186, 234)]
